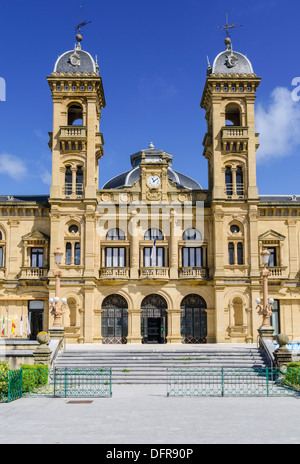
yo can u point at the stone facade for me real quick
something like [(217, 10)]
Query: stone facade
[(133, 271)]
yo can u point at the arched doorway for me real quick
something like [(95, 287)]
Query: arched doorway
[(193, 319), (114, 320), (154, 319)]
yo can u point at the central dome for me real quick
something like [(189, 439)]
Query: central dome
[(151, 155)]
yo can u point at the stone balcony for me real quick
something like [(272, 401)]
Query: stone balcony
[(199, 273), (34, 273), (155, 272), (114, 273), (277, 272)]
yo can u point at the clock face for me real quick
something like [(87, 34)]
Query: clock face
[(154, 181)]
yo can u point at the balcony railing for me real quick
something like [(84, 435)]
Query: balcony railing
[(73, 132), (114, 273), (235, 132), (155, 272), (33, 272), (277, 271), (69, 190), (193, 272), (236, 190)]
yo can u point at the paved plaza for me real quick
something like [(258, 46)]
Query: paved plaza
[(144, 415)]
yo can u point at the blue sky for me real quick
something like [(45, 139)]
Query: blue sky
[(152, 58)]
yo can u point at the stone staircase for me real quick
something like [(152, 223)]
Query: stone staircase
[(150, 366)]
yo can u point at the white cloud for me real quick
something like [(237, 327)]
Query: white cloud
[(279, 125), (12, 166), (46, 177)]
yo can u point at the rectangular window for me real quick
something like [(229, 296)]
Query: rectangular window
[(68, 254), (37, 257), (231, 253), (160, 257), (273, 257), (192, 257), (115, 257), (240, 254), (1, 257), (77, 254)]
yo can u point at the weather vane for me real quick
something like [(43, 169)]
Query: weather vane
[(81, 24), (228, 26)]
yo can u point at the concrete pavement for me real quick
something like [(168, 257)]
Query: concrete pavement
[(144, 415)]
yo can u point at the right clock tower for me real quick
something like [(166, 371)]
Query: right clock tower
[(230, 143)]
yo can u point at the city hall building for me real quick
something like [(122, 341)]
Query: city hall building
[(151, 257)]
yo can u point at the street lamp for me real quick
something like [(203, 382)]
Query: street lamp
[(57, 305), (266, 309)]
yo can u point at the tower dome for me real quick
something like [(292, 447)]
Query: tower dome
[(76, 61), (231, 62)]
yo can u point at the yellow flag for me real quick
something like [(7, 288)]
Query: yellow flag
[(13, 326)]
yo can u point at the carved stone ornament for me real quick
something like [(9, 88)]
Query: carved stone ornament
[(231, 61), (75, 59)]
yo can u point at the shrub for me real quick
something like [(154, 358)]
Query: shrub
[(4, 378), (292, 377), (34, 376), (4, 367)]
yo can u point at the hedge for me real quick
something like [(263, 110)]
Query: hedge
[(34, 376)]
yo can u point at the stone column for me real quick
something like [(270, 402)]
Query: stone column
[(174, 326), (173, 247), (134, 249), (134, 326)]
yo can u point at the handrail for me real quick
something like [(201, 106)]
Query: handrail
[(268, 347), (55, 353)]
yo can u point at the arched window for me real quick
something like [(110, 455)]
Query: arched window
[(68, 181), (79, 180), (240, 254), (75, 115), (193, 319), (192, 234), (68, 254), (228, 181), (77, 254), (234, 229), (154, 234), (73, 229), (114, 320), (115, 234), (239, 181), (233, 115), (231, 253)]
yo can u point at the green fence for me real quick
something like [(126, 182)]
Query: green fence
[(56, 383), (76, 382), (11, 386), (228, 382)]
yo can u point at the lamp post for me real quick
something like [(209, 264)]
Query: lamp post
[(57, 304), (266, 309)]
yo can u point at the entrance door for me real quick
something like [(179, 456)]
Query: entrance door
[(154, 329), (154, 319), (36, 318)]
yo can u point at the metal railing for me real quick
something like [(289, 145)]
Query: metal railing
[(228, 382), (55, 383)]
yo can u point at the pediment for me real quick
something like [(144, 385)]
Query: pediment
[(35, 236), (271, 235)]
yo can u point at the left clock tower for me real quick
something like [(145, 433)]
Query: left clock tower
[(76, 142)]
